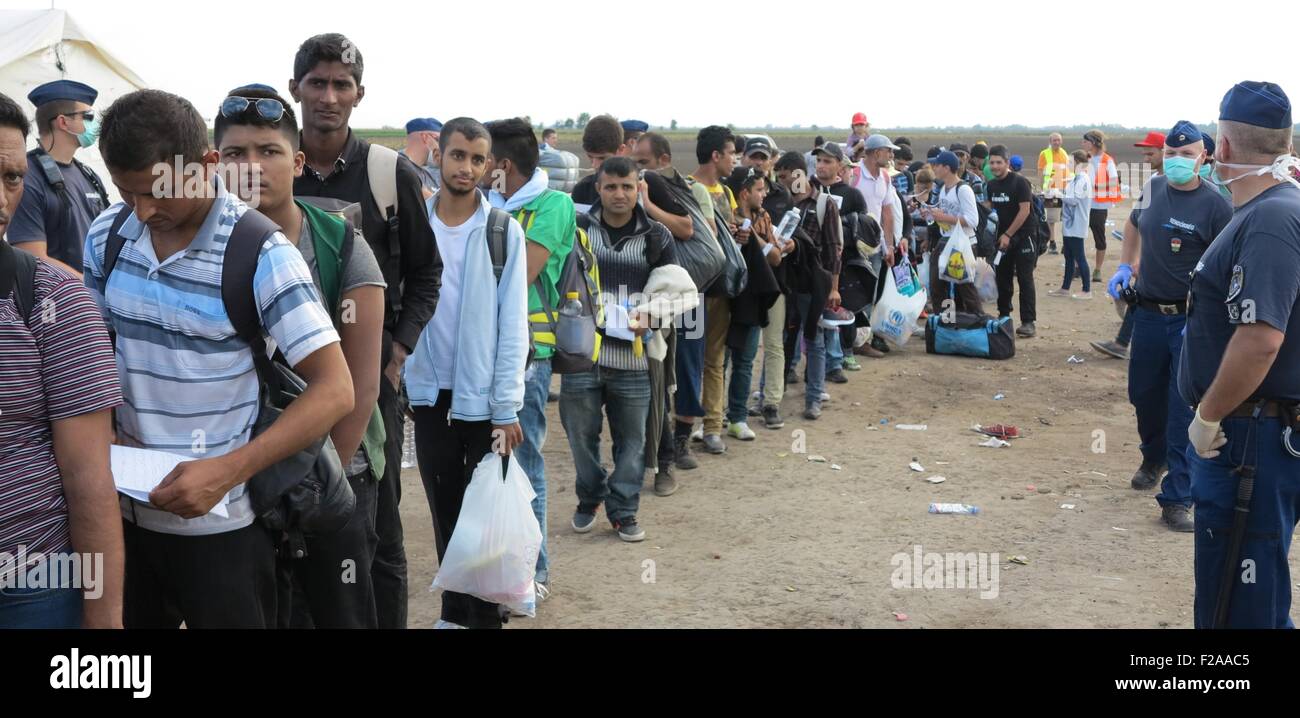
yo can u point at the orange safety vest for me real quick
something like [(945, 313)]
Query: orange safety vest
[(1105, 190)]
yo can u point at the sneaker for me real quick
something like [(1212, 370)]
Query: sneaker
[(755, 411), (772, 417), (851, 364), (824, 398), (542, 589), (791, 378), (1058, 292), (629, 531), (1147, 476), (1111, 349), (583, 519), (1082, 295), (836, 376), (740, 430), (683, 458), (698, 434), (1026, 330), (1179, 518), (880, 345), (1051, 247), (714, 445), (665, 482), (1096, 275), (813, 411), (447, 624)]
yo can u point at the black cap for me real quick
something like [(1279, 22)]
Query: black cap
[(830, 148), (758, 144), (958, 147)]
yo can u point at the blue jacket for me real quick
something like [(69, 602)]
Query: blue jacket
[(492, 338)]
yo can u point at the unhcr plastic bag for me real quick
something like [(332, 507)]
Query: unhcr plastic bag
[(492, 554), (895, 315), (986, 280), (957, 261)]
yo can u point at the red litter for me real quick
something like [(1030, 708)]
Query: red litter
[(900, 616), (1000, 431)]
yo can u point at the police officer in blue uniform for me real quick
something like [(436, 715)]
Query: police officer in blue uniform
[(632, 131), (1169, 229), (422, 150), (1242, 372), (61, 196)]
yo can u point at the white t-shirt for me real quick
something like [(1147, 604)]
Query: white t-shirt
[(958, 201), (446, 319), (875, 190)]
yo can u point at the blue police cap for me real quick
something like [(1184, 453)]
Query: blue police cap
[(1209, 143), (1184, 133), (1259, 104), (634, 126), (69, 90), (423, 124)]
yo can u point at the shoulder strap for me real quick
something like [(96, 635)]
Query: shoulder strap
[(381, 169), (498, 225), (238, 268), (93, 179), (18, 275), (822, 198), (113, 246)]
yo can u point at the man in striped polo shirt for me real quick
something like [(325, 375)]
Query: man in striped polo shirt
[(188, 380)]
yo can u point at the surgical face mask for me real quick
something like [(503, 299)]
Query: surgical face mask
[(1206, 174), (90, 134), (1280, 169), (1180, 170)]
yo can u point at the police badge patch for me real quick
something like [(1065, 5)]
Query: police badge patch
[(1234, 312), (1235, 284)]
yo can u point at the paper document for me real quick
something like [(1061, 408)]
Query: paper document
[(136, 472), (617, 322)]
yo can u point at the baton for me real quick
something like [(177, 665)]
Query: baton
[(1241, 512)]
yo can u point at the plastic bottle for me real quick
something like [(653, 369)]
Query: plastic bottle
[(789, 223), (954, 509), (572, 305)]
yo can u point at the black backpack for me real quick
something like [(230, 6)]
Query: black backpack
[(307, 493), (1042, 230), (18, 275), (54, 178)]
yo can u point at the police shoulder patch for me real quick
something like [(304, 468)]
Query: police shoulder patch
[(1235, 284)]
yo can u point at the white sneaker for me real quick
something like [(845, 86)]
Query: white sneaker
[(825, 397), (1083, 295), (447, 624), (1058, 292), (698, 434), (740, 430)]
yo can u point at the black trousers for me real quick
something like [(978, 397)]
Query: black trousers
[(1017, 265), (388, 572), (224, 580), (331, 586), (448, 454)]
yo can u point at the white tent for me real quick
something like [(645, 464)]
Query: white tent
[(37, 46)]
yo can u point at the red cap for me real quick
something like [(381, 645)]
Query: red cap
[(861, 119), (1153, 139)]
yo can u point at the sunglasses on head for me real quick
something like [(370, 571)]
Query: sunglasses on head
[(267, 108)]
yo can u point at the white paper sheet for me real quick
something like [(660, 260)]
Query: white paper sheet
[(136, 472)]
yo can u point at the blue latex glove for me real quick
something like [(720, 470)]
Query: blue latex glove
[(1123, 277)]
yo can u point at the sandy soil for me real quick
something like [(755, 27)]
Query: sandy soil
[(762, 537)]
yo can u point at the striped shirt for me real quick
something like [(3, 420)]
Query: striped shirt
[(53, 370), (189, 382)]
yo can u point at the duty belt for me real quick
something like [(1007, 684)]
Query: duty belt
[(1169, 310)]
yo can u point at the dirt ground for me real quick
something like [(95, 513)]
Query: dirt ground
[(763, 537)]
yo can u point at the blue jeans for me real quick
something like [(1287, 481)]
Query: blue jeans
[(816, 353), (834, 348), (690, 368), (1162, 417), (742, 375), (41, 607), (1264, 601), (625, 397), (1076, 258), (532, 419)]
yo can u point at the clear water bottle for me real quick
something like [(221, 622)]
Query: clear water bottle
[(789, 223), (572, 306), (408, 445)]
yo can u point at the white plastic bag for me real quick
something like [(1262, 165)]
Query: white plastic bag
[(894, 316), (986, 280), (492, 554), (957, 261), (923, 271)]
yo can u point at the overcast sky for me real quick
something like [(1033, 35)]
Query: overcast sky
[(930, 62)]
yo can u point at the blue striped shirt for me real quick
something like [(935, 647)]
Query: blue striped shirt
[(189, 383)]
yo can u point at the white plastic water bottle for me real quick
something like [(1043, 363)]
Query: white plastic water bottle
[(789, 223), (954, 509)]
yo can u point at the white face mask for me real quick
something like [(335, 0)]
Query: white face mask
[(1280, 169)]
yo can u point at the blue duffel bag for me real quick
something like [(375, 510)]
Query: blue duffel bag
[(970, 335)]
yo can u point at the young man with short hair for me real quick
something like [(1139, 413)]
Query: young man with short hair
[(956, 206), (1011, 195), (831, 169), (550, 140), (62, 196), (188, 377), (550, 225), (327, 71), (628, 246), (466, 375), (253, 142)]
